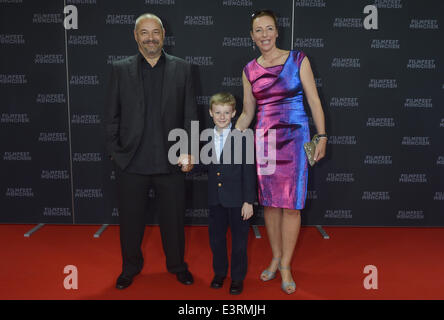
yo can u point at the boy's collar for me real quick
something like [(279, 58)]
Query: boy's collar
[(223, 130)]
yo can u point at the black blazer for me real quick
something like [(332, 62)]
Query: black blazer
[(230, 185), (125, 106)]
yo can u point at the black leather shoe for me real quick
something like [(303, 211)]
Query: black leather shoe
[(218, 282), (185, 277), (123, 282), (236, 287)]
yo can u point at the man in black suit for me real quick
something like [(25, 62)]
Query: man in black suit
[(149, 94)]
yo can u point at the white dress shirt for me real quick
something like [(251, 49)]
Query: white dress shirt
[(219, 140)]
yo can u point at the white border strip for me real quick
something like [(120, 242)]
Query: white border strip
[(69, 120)]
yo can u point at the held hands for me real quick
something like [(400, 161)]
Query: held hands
[(185, 162), (320, 149), (247, 210)]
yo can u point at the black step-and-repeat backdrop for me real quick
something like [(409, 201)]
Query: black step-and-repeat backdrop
[(377, 65)]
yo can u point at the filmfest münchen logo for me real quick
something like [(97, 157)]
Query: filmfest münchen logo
[(383, 83), (47, 18), (237, 3), (439, 196), (415, 141), (440, 160), (344, 140), (12, 39), (89, 193), (232, 82), (340, 177), (85, 119), (87, 157), (203, 100), (284, 22), (13, 79), (49, 59), (348, 23), (338, 214), (57, 212), (54, 175), (81, 1), (17, 156), (309, 43), (237, 42), (169, 41), (84, 80), (344, 102), (198, 21), (431, 24), (380, 122), (120, 19), (376, 195), (378, 160), (413, 178), (83, 40), (160, 2), (346, 63), (19, 193), (200, 61), (421, 64), (311, 3), (388, 4), (15, 118), (50, 98), (52, 137), (410, 214), (115, 212), (418, 103), (385, 44)]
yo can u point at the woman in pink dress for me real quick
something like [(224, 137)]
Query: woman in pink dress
[(274, 85)]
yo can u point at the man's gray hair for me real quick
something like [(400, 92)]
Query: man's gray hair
[(147, 16)]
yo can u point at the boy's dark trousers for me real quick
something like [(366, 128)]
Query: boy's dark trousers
[(218, 221)]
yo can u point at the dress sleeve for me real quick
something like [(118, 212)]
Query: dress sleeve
[(247, 72), (300, 56)]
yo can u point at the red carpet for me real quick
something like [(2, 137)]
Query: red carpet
[(409, 261)]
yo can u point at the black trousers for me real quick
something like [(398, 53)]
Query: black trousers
[(133, 200), (218, 221)]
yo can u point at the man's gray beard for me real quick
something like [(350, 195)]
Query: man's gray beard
[(151, 53)]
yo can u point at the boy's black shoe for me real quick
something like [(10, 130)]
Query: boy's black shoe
[(236, 287), (218, 282)]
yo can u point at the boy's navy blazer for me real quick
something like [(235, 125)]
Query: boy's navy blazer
[(230, 185)]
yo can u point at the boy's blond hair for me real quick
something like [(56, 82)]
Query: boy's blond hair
[(223, 98)]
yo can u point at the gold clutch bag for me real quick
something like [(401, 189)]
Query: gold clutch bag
[(310, 148)]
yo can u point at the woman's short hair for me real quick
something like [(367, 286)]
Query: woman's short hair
[(261, 13)]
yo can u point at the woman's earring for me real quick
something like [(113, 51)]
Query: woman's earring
[(254, 47)]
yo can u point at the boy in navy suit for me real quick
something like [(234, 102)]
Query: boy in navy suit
[(231, 193)]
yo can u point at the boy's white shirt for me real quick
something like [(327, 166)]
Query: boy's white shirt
[(217, 137)]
